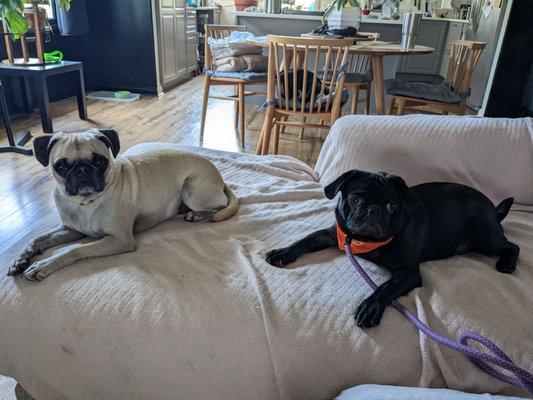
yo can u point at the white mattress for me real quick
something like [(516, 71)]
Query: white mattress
[(196, 313)]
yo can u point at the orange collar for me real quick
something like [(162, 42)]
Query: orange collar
[(356, 246)]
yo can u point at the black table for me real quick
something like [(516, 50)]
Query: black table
[(39, 74)]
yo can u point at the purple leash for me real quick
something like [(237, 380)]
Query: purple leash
[(517, 377)]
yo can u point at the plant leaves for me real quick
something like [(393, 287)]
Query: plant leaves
[(17, 24), (65, 4)]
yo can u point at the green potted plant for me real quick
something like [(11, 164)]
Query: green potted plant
[(347, 13), (12, 11)]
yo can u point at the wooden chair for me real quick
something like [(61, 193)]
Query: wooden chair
[(446, 97), (360, 77), (236, 79), (305, 55)]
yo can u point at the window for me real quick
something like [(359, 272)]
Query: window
[(50, 11), (305, 5)]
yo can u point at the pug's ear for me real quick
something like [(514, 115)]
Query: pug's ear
[(110, 139), (409, 200), (334, 187), (42, 145)]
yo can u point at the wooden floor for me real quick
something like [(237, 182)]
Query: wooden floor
[(26, 207)]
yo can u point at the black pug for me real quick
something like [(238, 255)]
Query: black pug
[(426, 222)]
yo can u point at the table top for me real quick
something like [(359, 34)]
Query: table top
[(48, 69), (388, 48), (371, 48)]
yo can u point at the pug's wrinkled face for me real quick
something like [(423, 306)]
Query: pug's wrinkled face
[(81, 163), (372, 205)]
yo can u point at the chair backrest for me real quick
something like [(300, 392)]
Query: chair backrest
[(218, 32), (463, 59), (362, 62), (305, 55)]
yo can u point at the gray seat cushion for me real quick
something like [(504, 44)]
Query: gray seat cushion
[(359, 77), (352, 77), (323, 100), (410, 77), (245, 75), (422, 90)]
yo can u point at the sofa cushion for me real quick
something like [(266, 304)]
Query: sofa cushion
[(491, 154), (245, 76), (422, 90)]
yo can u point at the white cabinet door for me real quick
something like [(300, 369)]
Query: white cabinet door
[(167, 45), (181, 41)]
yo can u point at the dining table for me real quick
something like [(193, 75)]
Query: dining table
[(376, 50)]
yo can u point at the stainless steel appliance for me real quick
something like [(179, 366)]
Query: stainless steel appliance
[(485, 29), (273, 6)]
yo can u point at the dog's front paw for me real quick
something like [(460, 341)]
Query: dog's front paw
[(280, 257), (23, 261), (39, 270), (369, 313)]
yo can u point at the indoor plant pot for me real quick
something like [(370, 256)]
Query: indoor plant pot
[(343, 13)]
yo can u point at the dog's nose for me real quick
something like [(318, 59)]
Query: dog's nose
[(373, 211), (81, 170)]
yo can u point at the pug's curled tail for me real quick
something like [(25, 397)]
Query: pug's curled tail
[(230, 209), (503, 208)]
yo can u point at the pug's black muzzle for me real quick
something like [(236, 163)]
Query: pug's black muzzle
[(370, 222), (84, 179)]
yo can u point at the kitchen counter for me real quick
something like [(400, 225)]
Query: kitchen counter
[(364, 19)]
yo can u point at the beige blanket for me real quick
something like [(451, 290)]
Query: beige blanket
[(196, 313), (242, 63)]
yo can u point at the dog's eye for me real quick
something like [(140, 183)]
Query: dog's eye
[(355, 200), (60, 167), (391, 207), (101, 162)]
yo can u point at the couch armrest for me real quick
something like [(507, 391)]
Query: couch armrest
[(494, 155)]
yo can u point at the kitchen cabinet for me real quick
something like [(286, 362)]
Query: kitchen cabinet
[(176, 42), (192, 41), (432, 33), (455, 32)]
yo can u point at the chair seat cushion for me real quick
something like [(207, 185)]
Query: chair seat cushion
[(352, 77), (411, 77), (422, 90), (245, 75), (323, 100), (359, 77)]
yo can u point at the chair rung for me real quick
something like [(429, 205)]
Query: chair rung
[(232, 98), (301, 124)]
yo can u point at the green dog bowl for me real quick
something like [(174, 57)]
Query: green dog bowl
[(122, 94)]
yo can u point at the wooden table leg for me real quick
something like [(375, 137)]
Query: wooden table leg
[(41, 88), (379, 92), (82, 106)]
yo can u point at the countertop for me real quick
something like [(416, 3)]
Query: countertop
[(318, 18)]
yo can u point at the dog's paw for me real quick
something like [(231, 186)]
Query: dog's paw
[(280, 257), (39, 270), (505, 265), (369, 313), (195, 216), (23, 261)]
